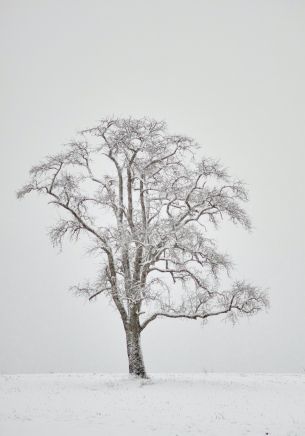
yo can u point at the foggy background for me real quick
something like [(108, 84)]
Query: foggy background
[(229, 74)]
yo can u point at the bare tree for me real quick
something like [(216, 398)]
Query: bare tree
[(160, 203)]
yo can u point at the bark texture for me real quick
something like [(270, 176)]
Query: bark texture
[(134, 352)]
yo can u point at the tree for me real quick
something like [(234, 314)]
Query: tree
[(148, 216)]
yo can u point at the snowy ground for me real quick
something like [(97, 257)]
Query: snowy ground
[(166, 405)]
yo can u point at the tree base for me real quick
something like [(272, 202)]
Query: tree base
[(135, 357)]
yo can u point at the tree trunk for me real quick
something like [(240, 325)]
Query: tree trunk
[(134, 352)]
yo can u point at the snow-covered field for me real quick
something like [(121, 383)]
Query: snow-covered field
[(165, 405)]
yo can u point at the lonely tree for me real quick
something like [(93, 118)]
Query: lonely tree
[(146, 203)]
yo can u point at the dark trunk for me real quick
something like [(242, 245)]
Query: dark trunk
[(134, 352)]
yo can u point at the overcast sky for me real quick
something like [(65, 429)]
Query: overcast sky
[(228, 73)]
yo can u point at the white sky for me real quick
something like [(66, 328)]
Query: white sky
[(228, 73)]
